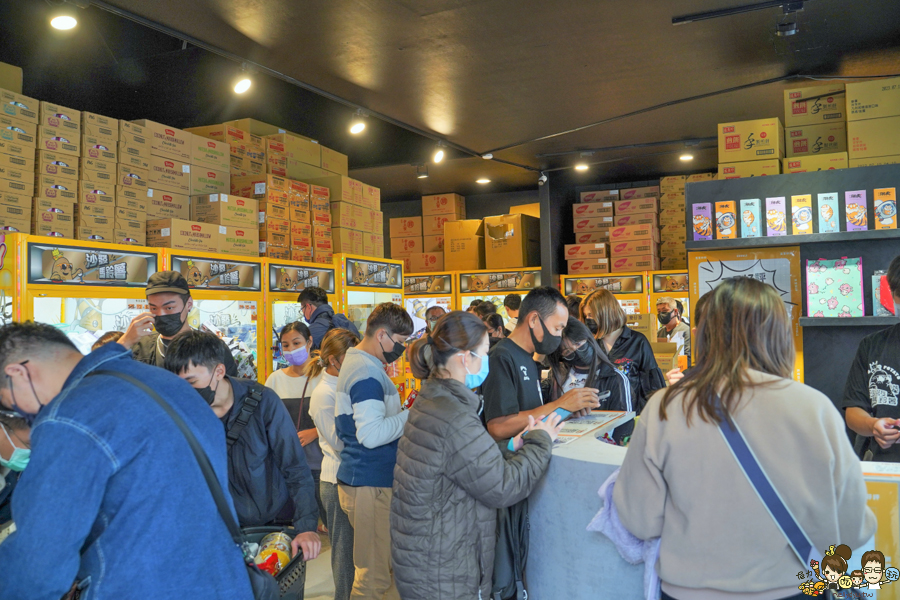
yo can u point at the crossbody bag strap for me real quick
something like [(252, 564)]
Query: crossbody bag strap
[(206, 468), (798, 540), (302, 400), (251, 403)]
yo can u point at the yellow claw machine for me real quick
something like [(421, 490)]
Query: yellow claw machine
[(630, 289), (84, 288), (227, 294), (11, 268), (363, 284), (672, 284), (494, 286), (421, 292), (285, 280)]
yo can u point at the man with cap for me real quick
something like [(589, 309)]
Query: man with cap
[(149, 333)]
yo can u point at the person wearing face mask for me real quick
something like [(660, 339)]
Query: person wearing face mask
[(109, 469), (295, 389), (268, 477), (673, 328), (512, 303), (369, 419), (15, 451), (512, 390), (326, 363), (170, 302), (431, 317), (579, 363), (319, 315), (451, 476)]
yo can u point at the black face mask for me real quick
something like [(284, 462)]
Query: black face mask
[(550, 342), (666, 318), (394, 354), (584, 356), (592, 326), (168, 325), (208, 394)]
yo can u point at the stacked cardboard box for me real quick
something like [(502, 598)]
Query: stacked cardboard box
[(237, 218), (246, 151), (273, 211), (59, 134), (18, 165), (634, 237), (815, 132), (672, 231), (353, 210), (422, 246), (750, 148), (873, 122)]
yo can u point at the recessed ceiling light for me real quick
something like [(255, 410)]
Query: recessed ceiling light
[(686, 157), (243, 85), (63, 22), (483, 180), (581, 167)]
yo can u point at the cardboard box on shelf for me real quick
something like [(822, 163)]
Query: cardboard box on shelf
[(406, 246), (629, 233), (179, 234), (94, 221), (16, 131), (14, 218), (169, 175), (742, 141), (303, 254), (822, 162), (89, 119), (15, 148), (638, 219), (210, 153), (672, 248), (55, 140), (405, 226), (593, 237), (302, 230), (257, 128), (592, 209), (434, 224), (346, 241), (166, 141), (165, 205), (672, 183), (88, 233), (133, 160), (319, 217), (340, 188), (874, 162), (99, 148), (130, 214), (665, 354), (209, 181), (444, 204), (128, 176), (109, 136), (131, 197), (96, 204), (272, 210), (874, 137), (670, 263), (324, 243), (463, 253), (350, 216), (274, 225), (639, 193), (276, 163), (243, 167), (325, 257), (433, 243), (17, 173), (670, 198), (372, 197), (55, 188), (624, 264), (20, 107), (814, 105), (60, 117), (532, 209), (511, 241), (93, 165), (293, 147), (334, 161), (641, 205), (300, 170), (587, 266), (873, 100), (51, 163), (321, 232), (20, 200), (8, 186), (370, 248), (591, 224), (321, 193), (634, 248), (127, 128), (134, 227), (223, 209), (752, 168), (424, 262), (240, 241), (811, 140), (298, 215), (258, 186), (574, 251), (600, 196), (102, 188), (53, 224), (273, 251), (131, 238), (356, 188)]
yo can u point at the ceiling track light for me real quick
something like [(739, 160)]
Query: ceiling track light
[(483, 181), (358, 124), (421, 171), (439, 153), (789, 6), (786, 29), (65, 16), (244, 82), (581, 167), (487, 156), (542, 179), (686, 157)]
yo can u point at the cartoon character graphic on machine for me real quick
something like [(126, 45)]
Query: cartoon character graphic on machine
[(63, 270), (832, 574)]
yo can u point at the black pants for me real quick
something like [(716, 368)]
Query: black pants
[(665, 596)]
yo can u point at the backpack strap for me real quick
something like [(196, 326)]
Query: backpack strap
[(251, 402)]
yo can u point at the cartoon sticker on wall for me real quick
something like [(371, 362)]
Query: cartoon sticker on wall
[(836, 573)]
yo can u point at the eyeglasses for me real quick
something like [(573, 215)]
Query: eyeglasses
[(568, 353), (875, 570)]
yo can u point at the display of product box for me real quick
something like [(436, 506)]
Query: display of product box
[(334, 161), (874, 137), (828, 213), (776, 217), (179, 234), (751, 225), (726, 220), (836, 279), (856, 209), (702, 221), (20, 107), (574, 251), (99, 148), (743, 141), (801, 214), (297, 148), (132, 198), (444, 204), (14, 218), (273, 225), (873, 100), (273, 251), (210, 153), (591, 224), (600, 196), (587, 266), (16, 131), (885, 200), (823, 162), (223, 209), (47, 186), (402, 247), (639, 219), (51, 163), (60, 117), (511, 241), (169, 175), (639, 193), (640, 205), (56, 140), (634, 248), (167, 141), (128, 176), (624, 264), (592, 209), (346, 241), (53, 224), (322, 218), (630, 233), (240, 241), (166, 205), (204, 180), (753, 168), (874, 162), (433, 243), (351, 216), (272, 210), (814, 105), (811, 140)]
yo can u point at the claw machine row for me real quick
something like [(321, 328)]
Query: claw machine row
[(285, 281), (421, 293), (85, 289), (630, 289), (494, 286), (671, 284), (227, 296), (363, 284)]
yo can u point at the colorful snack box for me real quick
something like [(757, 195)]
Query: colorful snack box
[(750, 223), (726, 223), (703, 227), (885, 208), (856, 207), (829, 216), (776, 217), (801, 214)]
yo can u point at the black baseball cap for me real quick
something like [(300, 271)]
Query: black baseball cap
[(167, 282)]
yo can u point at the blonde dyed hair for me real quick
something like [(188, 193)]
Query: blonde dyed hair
[(606, 310), (335, 344)]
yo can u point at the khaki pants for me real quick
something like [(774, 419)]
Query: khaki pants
[(369, 511)]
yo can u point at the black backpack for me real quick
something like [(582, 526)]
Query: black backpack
[(511, 553), (340, 321)]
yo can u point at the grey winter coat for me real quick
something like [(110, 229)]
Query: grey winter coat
[(449, 480)]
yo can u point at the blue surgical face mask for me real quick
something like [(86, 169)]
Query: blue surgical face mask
[(473, 380), (19, 458)]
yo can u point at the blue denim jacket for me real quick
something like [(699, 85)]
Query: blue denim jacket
[(113, 495)]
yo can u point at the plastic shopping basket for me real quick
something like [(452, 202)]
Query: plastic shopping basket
[(292, 578)]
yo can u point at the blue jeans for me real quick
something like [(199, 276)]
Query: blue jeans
[(340, 532)]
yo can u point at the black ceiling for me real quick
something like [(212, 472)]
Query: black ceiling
[(483, 74)]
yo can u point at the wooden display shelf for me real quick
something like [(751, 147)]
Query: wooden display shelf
[(848, 321), (795, 240)]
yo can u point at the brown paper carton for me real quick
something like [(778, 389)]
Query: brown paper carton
[(167, 205), (588, 265), (406, 227), (812, 140), (630, 233), (128, 176), (433, 243), (592, 209), (296, 148), (52, 163), (56, 140), (273, 251), (131, 197), (512, 241), (814, 105), (425, 262), (822, 162), (209, 181), (274, 225), (639, 205), (752, 168), (346, 241), (60, 117), (18, 132), (434, 224), (762, 139), (444, 204), (210, 153), (169, 175), (9, 186), (178, 234), (634, 248), (20, 107), (60, 188), (576, 251), (874, 99), (625, 264), (334, 161), (873, 137), (240, 241), (350, 216), (167, 141), (402, 247)]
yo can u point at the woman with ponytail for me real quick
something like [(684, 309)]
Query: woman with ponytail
[(325, 364), (451, 476)]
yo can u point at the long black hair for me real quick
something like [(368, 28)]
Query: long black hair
[(575, 332)]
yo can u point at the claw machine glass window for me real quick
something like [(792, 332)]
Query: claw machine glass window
[(86, 289), (422, 293), (494, 286), (628, 288)]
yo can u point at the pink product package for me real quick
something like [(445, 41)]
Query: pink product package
[(776, 217), (703, 227)]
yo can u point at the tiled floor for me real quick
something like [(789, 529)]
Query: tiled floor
[(319, 583)]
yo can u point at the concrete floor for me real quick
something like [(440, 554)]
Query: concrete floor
[(319, 583)]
